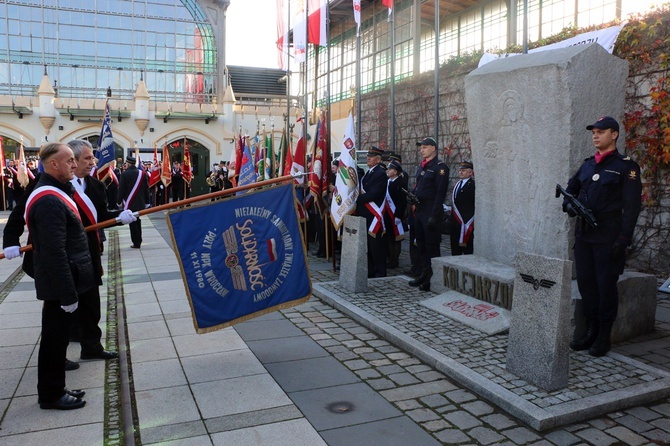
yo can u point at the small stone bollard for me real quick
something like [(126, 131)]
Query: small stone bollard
[(354, 261)]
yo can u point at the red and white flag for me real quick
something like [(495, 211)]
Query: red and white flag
[(282, 34), (299, 31), (316, 32), (388, 4), (357, 15)]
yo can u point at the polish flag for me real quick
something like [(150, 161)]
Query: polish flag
[(282, 34), (357, 14), (388, 4), (316, 30)]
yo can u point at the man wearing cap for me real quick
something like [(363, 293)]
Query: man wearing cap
[(134, 195), (462, 219), (394, 213), (608, 184), (432, 181), (370, 204)]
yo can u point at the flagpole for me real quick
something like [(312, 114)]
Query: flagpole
[(437, 71), (167, 206), (392, 25), (358, 88)]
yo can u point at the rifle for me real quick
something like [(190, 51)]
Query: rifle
[(582, 211), (411, 198)]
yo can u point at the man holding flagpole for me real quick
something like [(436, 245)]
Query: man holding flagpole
[(134, 195)]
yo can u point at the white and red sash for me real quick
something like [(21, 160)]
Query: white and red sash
[(134, 190), (377, 219), (390, 210), (468, 227), (43, 191)]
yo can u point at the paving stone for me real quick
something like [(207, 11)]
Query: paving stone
[(460, 396), (562, 438), (462, 420), (602, 423), (419, 368), (435, 425), (345, 356), (478, 408), (452, 436), (499, 421), (372, 356), (635, 424), (626, 435), (663, 423), (390, 369), (379, 362), (404, 379), (658, 436), (408, 362), (398, 356), (643, 413), (327, 342), (663, 409), (428, 376), (434, 401), (381, 384), (422, 414), (408, 405), (485, 436), (356, 364), (366, 374), (417, 391), (521, 435), (595, 436)]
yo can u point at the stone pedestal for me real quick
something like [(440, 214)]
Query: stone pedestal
[(539, 334), (354, 261)]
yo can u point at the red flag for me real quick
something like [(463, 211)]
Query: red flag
[(388, 3), (289, 158), (3, 163), (316, 22), (186, 169), (166, 168), (239, 152), (319, 166), (282, 34), (155, 176)]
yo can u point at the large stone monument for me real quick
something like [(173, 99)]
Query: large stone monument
[(354, 261), (539, 333), (527, 117)]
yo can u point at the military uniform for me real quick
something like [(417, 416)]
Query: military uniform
[(612, 190), (432, 181)]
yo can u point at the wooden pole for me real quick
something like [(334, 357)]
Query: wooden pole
[(164, 207)]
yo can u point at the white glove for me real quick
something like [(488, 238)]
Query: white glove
[(147, 206), (70, 308), (127, 217), (12, 252)]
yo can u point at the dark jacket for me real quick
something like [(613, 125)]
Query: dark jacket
[(374, 185), (126, 184), (432, 181), (61, 260), (612, 190)]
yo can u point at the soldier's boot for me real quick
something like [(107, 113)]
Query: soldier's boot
[(425, 285), (419, 280), (602, 343), (588, 338)]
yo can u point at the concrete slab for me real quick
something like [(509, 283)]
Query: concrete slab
[(339, 406), (250, 419), (84, 434), (286, 349), (9, 381), (148, 330), (15, 356), (216, 341), (223, 365), (238, 395), (299, 375), (286, 433), (472, 312), (400, 431), (161, 407), (256, 329), (174, 433), (19, 336), (156, 374), (152, 349)]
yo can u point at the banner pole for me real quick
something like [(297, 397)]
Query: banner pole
[(221, 193)]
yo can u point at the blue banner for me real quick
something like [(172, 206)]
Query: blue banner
[(241, 257)]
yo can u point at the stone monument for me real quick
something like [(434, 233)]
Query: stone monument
[(527, 117), (539, 335), (354, 260)]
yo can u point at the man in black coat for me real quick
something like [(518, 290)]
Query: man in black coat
[(134, 195), (91, 198), (62, 269), (462, 218), (370, 204), (394, 213), (432, 181)]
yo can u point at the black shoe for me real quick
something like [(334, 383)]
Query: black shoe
[(100, 355), (77, 393), (416, 282), (602, 343), (65, 402), (425, 286), (588, 338), (70, 365), (134, 247)]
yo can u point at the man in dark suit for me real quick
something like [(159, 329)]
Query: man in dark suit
[(91, 198), (394, 213), (462, 219), (370, 204), (134, 195)]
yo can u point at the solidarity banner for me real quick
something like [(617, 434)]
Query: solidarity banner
[(241, 257)]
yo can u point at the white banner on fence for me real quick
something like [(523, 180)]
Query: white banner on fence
[(604, 37)]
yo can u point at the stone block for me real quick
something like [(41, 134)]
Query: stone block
[(472, 312), (354, 261), (637, 306), (474, 276), (511, 104), (539, 335)]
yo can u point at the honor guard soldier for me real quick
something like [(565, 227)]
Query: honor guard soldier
[(370, 204), (609, 186), (432, 181), (462, 218)]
